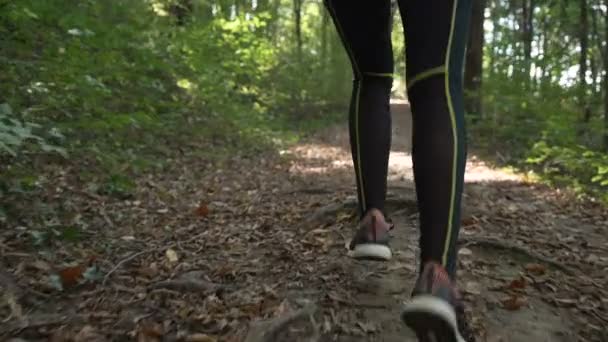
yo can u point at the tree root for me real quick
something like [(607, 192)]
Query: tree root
[(272, 329), (503, 245), (327, 214)]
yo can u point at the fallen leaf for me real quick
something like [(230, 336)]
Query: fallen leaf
[(367, 327), (514, 302), (41, 265), (465, 252), (13, 303), (172, 255), (149, 271), (566, 302), (150, 332), (92, 273), (472, 287), (469, 221), (518, 284), (537, 269), (87, 334), (199, 337), (71, 276), (202, 210)]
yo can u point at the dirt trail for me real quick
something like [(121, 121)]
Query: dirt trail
[(513, 232), (252, 246)]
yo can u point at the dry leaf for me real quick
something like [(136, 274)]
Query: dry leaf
[(71, 276), (367, 327), (149, 271), (13, 303), (566, 302), (472, 287), (202, 210), (465, 252), (537, 269), (514, 302), (518, 284), (41, 265), (88, 334), (199, 337), (469, 221), (150, 332), (172, 255)]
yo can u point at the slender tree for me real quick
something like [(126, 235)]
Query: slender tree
[(527, 28), (584, 46), (605, 76), (297, 11), (474, 60)]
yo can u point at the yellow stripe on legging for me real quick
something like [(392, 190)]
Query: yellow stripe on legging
[(379, 74), (448, 235), (426, 74), (357, 98)]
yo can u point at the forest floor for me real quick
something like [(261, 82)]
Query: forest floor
[(253, 248)]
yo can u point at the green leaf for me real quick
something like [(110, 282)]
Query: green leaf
[(55, 281), (92, 273), (29, 13), (5, 109), (5, 148), (39, 238), (71, 234)]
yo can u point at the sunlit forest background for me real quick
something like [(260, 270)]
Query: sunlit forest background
[(107, 83)]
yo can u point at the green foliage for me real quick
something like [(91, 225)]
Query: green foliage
[(46, 236), (537, 112), (576, 166), (113, 77), (117, 185), (15, 133)]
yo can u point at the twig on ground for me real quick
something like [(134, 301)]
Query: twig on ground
[(124, 261), (489, 242), (149, 250)]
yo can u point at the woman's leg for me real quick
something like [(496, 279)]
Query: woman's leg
[(435, 44), (364, 27)]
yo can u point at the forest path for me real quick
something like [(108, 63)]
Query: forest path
[(252, 248), (525, 251)]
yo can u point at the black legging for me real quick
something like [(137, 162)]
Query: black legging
[(435, 39)]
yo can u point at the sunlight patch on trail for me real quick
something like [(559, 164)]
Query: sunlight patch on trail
[(322, 158)]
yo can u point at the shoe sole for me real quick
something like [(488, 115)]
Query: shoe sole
[(432, 319), (372, 251)]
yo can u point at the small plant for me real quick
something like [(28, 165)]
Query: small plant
[(14, 134)]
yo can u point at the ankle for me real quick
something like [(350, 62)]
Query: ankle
[(376, 215), (373, 212)]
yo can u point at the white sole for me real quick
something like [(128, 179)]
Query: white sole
[(426, 313), (372, 251)]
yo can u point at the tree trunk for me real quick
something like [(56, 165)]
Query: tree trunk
[(595, 60), (181, 10), (474, 61), (324, 42), (606, 78), (297, 10), (584, 45), (494, 17), (527, 34)]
